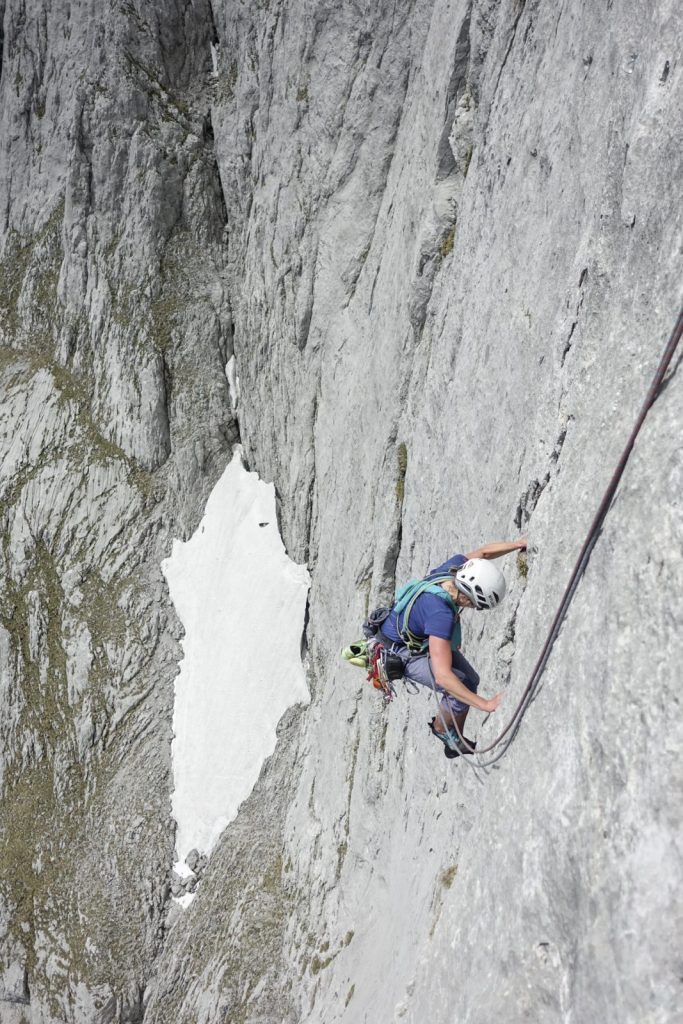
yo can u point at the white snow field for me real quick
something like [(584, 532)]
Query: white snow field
[(242, 602)]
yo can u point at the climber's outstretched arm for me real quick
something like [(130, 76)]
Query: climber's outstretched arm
[(498, 548)]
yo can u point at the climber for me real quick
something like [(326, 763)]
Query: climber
[(424, 630)]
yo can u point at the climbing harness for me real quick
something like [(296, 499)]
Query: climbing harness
[(510, 731)]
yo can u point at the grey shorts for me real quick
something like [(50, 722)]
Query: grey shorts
[(419, 670)]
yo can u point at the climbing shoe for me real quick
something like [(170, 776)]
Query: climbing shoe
[(453, 745), (357, 654)]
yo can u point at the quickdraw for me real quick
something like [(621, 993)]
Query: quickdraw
[(378, 674)]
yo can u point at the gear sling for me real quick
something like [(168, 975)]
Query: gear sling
[(403, 605)]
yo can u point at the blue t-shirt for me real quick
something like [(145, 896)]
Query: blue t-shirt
[(431, 616)]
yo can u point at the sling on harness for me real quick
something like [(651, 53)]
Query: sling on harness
[(403, 606), (381, 673), (383, 666)]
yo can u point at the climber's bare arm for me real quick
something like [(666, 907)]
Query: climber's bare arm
[(441, 658), (498, 548)]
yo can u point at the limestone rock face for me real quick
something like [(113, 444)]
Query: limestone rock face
[(442, 241), (115, 417)]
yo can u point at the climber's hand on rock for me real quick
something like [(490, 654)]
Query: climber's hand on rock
[(492, 704)]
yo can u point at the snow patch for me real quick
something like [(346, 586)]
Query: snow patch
[(242, 602), (182, 870), (184, 901), (233, 382)]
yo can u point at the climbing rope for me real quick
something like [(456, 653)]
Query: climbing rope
[(510, 731)]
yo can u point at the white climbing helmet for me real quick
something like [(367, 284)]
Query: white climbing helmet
[(482, 582)]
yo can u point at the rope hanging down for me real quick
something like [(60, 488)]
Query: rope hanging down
[(510, 730)]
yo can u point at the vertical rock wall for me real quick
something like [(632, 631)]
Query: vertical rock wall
[(115, 329), (443, 241), (455, 259)]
